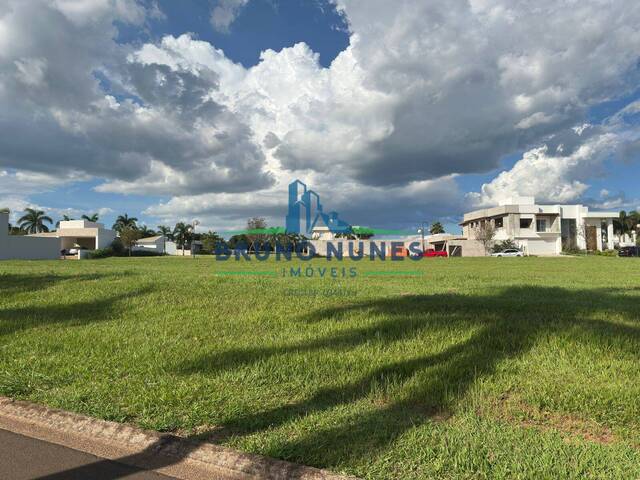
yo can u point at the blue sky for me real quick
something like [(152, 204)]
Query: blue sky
[(261, 25), (423, 120)]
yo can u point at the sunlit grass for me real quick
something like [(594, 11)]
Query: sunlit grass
[(476, 368)]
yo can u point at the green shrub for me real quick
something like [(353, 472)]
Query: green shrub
[(101, 253), (606, 253), (145, 253), (573, 251), (118, 247)]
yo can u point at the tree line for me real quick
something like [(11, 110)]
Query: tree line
[(34, 220)]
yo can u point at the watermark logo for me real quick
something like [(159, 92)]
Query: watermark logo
[(306, 213), (306, 221)]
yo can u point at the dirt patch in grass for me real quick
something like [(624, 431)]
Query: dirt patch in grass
[(509, 409)]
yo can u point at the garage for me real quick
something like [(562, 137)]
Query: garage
[(542, 246)]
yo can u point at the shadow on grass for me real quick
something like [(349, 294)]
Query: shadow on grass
[(498, 327), (15, 283), (78, 313)]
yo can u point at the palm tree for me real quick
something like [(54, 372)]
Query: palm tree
[(165, 231), (167, 234), (210, 241), (294, 239), (146, 231), (33, 221), (436, 227), (182, 234), (625, 223), (65, 218), (634, 221), (124, 221), (91, 218)]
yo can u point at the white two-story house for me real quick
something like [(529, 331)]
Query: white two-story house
[(544, 229)]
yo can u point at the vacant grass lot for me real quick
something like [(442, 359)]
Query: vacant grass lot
[(475, 368)]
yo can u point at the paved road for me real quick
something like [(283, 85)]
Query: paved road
[(24, 458)]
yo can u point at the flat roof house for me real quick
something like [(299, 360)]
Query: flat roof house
[(157, 244), (544, 229), (24, 247), (82, 234)]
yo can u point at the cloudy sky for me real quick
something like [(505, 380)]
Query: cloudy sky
[(395, 112)]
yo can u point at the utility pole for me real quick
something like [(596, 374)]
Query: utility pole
[(421, 231), (194, 224)]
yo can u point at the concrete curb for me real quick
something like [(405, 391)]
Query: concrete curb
[(164, 453)]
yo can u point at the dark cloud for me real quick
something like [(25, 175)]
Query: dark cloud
[(164, 135)]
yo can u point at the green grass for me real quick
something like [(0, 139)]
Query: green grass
[(460, 368)]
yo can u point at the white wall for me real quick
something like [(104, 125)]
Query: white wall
[(72, 224), (542, 246), (21, 247), (157, 246), (4, 231), (105, 237), (172, 248), (466, 248)]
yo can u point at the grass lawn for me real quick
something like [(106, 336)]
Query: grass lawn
[(471, 368)]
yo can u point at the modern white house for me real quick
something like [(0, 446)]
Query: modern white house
[(80, 234), (544, 229), (156, 244), (162, 245), (455, 245), (25, 247)]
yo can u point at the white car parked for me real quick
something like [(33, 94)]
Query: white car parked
[(509, 252)]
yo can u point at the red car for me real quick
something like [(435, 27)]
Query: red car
[(434, 253)]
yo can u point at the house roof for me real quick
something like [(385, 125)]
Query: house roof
[(150, 239)]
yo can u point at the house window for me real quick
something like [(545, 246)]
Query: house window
[(541, 225), (525, 223), (498, 222)]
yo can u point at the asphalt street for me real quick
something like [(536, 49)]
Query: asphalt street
[(25, 458)]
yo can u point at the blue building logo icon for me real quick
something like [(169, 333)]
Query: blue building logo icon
[(306, 213)]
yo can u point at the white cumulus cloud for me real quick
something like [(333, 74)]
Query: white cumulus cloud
[(225, 13), (425, 91)]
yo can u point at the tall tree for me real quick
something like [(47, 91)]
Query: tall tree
[(166, 231), (621, 224), (91, 218), (634, 220), (124, 221), (237, 241), (146, 231), (210, 240), (33, 221), (436, 227), (129, 237), (485, 233), (182, 234), (65, 218), (255, 225)]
